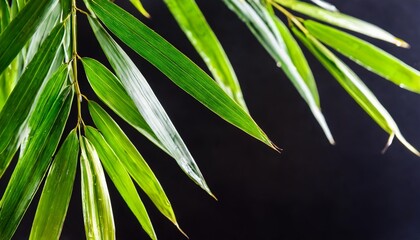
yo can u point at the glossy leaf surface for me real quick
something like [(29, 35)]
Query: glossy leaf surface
[(367, 55), (181, 70), (132, 160), (97, 210), (121, 179), (57, 191)]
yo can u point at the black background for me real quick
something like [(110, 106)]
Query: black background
[(312, 190)]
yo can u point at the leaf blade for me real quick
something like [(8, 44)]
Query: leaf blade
[(121, 179), (195, 26), (55, 197), (97, 210), (182, 71), (367, 55)]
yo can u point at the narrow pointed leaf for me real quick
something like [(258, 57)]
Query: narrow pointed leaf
[(193, 23), (325, 5), (18, 105), (33, 165), (20, 30), (4, 14), (148, 105), (121, 179), (181, 70), (261, 23), (343, 21), (367, 55), (55, 197), (112, 93), (97, 210), (355, 87), (140, 7), (298, 59), (132, 160)]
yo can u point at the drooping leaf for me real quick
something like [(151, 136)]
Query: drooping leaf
[(57, 191), (261, 23), (181, 70), (20, 30), (148, 105), (112, 93), (132, 160), (367, 55), (343, 21), (121, 179), (298, 59), (18, 105), (97, 210), (193, 23), (33, 165), (355, 87), (140, 7)]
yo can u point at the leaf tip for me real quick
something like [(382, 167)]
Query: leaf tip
[(401, 43)]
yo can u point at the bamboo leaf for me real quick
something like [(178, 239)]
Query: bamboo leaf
[(121, 179), (18, 105), (298, 59), (4, 14), (193, 23), (55, 197), (97, 210), (325, 5), (20, 30), (343, 21), (148, 105), (367, 55), (132, 160), (181, 70), (140, 8), (355, 87), (262, 24), (112, 93), (33, 164)]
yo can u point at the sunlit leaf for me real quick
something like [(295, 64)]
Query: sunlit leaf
[(326, 5), (97, 210), (140, 7), (260, 21), (20, 30), (18, 105), (57, 191), (112, 93), (298, 59), (33, 165), (193, 23), (342, 20), (181, 70), (120, 177), (355, 87), (132, 160), (148, 105), (367, 55)]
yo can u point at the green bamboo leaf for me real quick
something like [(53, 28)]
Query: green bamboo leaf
[(18, 105), (181, 70), (343, 21), (55, 197), (20, 30), (140, 8), (4, 14), (97, 210), (298, 59), (33, 165), (112, 93), (367, 55), (132, 160), (121, 179), (148, 105), (355, 87), (262, 24), (193, 23)]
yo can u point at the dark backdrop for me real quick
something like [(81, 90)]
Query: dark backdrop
[(312, 190)]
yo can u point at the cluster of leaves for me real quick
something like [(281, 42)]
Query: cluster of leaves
[(39, 85)]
